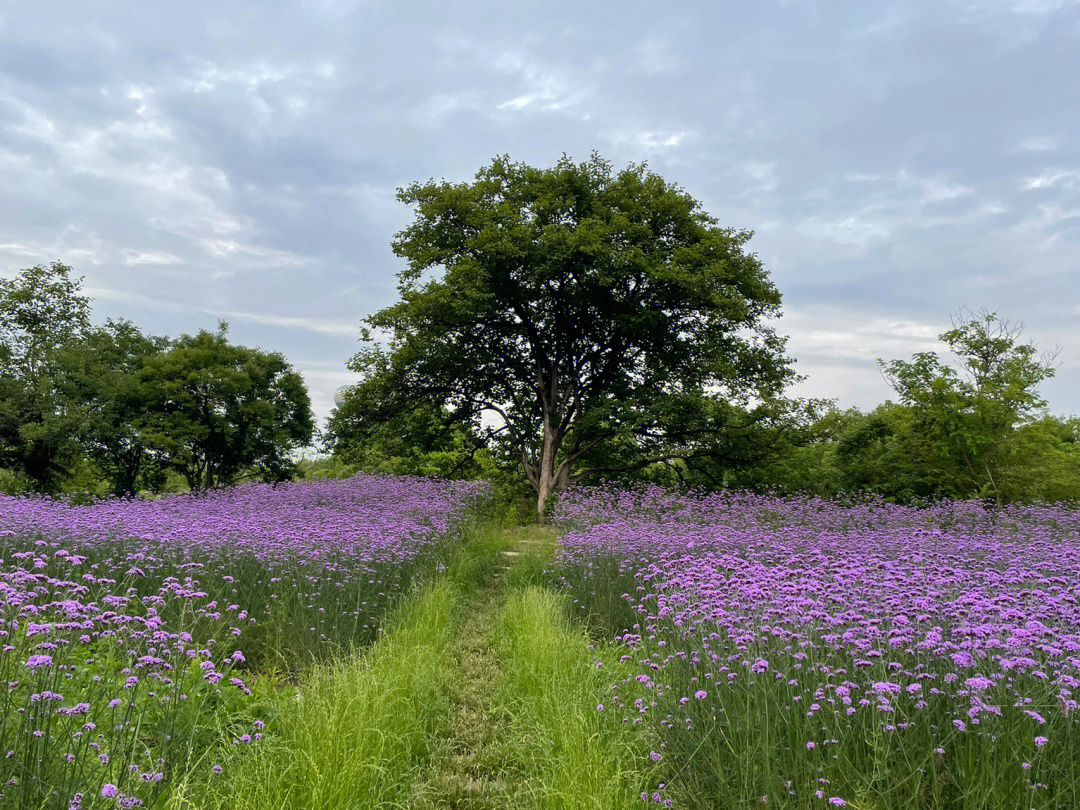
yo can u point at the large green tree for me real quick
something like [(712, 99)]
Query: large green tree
[(591, 321), (970, 411), (43, 311), (223, 411)]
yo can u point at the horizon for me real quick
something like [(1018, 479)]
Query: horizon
[(895, 164)]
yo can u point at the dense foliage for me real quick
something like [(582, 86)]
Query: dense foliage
[(975, 429), (872, 655), (969, 415)]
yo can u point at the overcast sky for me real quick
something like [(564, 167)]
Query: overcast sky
[(195, 161)]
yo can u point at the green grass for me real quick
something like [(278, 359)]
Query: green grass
[(476, 560), (568, 754), (359, 730)]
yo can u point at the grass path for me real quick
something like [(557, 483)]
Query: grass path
[(525, 731), (481, 695), (470, 771)]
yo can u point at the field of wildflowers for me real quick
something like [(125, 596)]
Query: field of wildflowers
[(799, 653), (765, 651), (137, 635)]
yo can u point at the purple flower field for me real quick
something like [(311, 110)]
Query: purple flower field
[(795, 652), (132, 630)]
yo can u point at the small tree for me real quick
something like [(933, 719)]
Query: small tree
[(42, 312), (592, 322), (1041, 461), (426, 440), (223, 411), (969, 413)]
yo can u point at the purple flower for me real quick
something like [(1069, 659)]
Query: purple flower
[(35, 661), (108, 790), (979, 684)]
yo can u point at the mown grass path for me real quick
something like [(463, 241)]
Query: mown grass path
[(524, 728), (470, 769), (481, 695)]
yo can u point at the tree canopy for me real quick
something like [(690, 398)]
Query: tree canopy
[(974, 426), (222, 410), (969, 412), (104, 384), (42, 312), (587, 320)]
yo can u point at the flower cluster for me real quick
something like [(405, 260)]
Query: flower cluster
[(896, 655)]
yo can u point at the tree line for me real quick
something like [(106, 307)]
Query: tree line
[(553, 325), (969, 424), (111, 408)]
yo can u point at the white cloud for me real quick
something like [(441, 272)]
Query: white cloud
[(838, 349), (1039, 144), (534, 85), (73, 245), (150, 257), (546, 91), (138, 156), (435, 109), (650, 142), (322, 326), (1068, 178), (317, 325), (655, 55), (851, 230), (34, 124), (1036, 7), (763, 173), (887, 203), (844, 334)]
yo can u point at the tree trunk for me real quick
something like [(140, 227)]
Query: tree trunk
[(546, 474), (993, 484)]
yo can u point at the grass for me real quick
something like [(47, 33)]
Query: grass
[(569, 754), (470, 770), (359, 730)]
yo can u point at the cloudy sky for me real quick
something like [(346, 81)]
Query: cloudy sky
[(197, 161)]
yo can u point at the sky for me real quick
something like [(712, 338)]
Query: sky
[(897, 161)]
